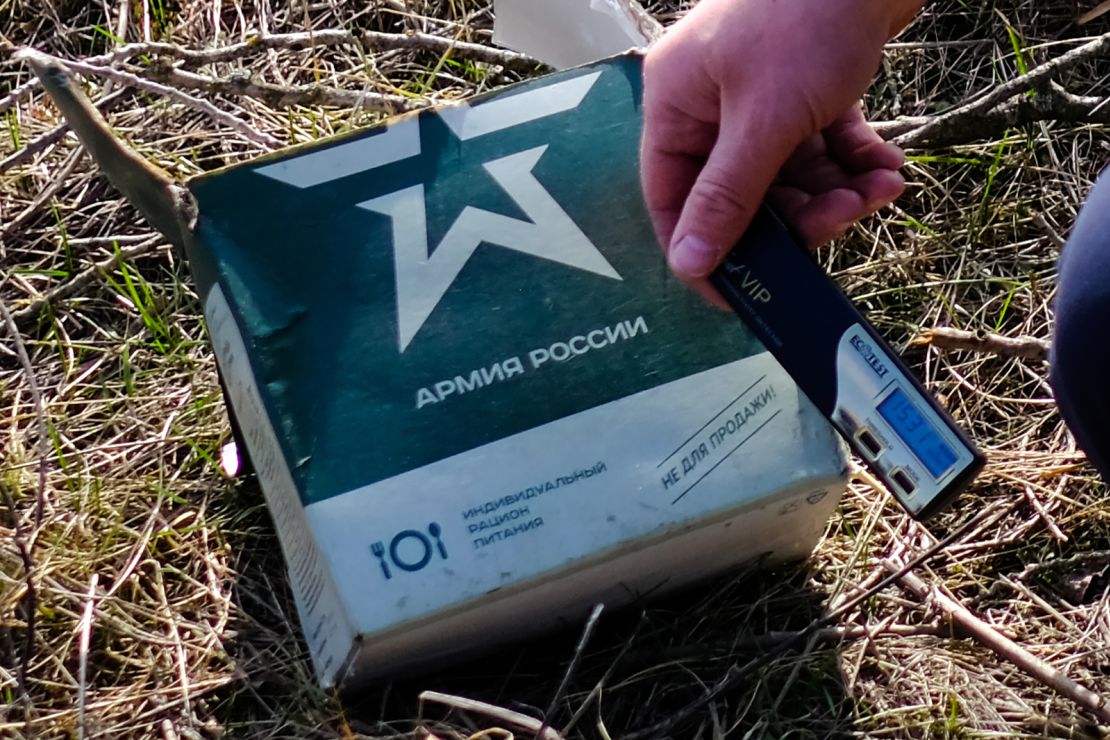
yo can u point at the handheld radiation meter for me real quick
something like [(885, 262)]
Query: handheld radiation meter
[(845, 368)]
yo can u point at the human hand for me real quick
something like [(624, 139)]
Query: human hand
[(746, 100)]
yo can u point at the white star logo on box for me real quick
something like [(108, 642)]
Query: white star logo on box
[(424, 276)]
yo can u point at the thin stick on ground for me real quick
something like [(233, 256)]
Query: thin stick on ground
[(52, 137), (509, 717), (1053, 103), (372, 40), (24, 542), (130, 80), (1037, 78), (1025, 348), (1046, 517), (587, 631), (58, 181), (1003, 646), (85, 633), (595, 692), (31, 313), (1097, 12), (40, 413), (849, 633), (740, 672), (284, 96)]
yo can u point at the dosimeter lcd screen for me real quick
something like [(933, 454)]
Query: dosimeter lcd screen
[(918, 434)]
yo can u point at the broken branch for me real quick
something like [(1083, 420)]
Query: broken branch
[(130, 80), (1037, 79), (1003, 646), (372, 40), (509, 717), (280, 96), (1054, 104), (1024, 348)]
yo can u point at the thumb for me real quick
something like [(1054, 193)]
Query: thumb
[(725, 197)]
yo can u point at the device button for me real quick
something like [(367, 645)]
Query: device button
[(904, 482), (870, 444)]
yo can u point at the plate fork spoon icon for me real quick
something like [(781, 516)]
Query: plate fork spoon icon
[(379, 552)]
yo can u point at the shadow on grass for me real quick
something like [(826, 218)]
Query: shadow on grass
[(653, 660), (656, 659)]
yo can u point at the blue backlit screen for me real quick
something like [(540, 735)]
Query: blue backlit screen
[(918, 434)]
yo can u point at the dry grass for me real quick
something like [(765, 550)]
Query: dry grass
[(191, 630)]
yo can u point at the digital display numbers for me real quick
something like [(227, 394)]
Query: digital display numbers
[(918, 434)]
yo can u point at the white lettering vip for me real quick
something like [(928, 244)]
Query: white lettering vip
[(748, 282)]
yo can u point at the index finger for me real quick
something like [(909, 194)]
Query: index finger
[(673, 151)]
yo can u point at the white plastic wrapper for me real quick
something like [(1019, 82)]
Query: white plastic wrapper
[(566, 33)]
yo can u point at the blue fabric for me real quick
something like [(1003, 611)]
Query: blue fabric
[(1080, 358)]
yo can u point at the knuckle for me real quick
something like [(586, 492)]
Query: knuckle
[(720, 197)]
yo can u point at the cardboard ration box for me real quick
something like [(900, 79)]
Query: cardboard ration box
[(477, 401)]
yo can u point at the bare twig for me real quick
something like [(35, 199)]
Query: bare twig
[(850, 633), (1042, 512), (25, 545), (58, 180), (325, 37), (40, 413), (587, 631), (84, 629), (283, 96), (203, 106), (595, 692), (480, 52), (1036, 79), (293, 41), (1097, 12), (516, 719), (29, 600), (1099, 557), (1056, 105), (26, 316), (1003, 646), (737, 672), (53, 136), (1025, 348), (1049, 231), (18, 93)]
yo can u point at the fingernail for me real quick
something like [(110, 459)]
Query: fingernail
[(692, 256), (897, 153)]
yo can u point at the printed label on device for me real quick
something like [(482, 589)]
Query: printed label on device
[(891, 422), (910, 446)]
